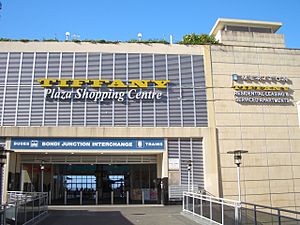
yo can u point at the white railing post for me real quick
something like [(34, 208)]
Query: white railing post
[(210, 208), (193, 204), (222, 212), (80, 200), (65, 197), (183, 202), (127, 197), (96, 197), (143, 197), (112, 197), (201, 206)]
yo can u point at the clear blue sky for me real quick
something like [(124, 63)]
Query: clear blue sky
[(123, 19)]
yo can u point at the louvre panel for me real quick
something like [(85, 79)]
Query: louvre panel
[(38, 92), (99, 159), (186, 149), (183, 102), (52, 72), (9, 110)]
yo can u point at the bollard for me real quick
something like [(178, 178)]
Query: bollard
[(49, 198), (143, 197), (127, 197), (112, 197), (65, 199), (80, 198), (96, 198)]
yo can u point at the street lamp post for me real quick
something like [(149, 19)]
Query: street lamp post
[(238, 161), (189, 169), (42, 167)]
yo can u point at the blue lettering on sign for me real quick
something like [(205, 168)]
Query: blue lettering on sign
[(86, 144)]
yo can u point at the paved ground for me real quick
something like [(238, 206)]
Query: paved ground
[(122, 215)]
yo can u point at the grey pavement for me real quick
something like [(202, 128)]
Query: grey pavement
[(116, 215)]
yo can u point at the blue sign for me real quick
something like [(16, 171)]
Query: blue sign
[(86, 144)]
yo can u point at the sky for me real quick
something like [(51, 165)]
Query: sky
[(123, 19)]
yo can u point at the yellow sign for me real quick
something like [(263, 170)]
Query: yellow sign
[(260, 88), (79, 83)]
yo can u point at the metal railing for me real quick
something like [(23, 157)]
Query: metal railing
[(260, 214), (223, 211), (24, 207), (212, 209)]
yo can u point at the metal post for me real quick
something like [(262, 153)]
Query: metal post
[(127, 197), (239, 184), (96, 197), (222, 211), (80, 198), (236, 215), (65, 197), (210, 208), (49, 198), (42, 180), (201, 206), (193, 204), (183, 202), (279, 217), (143, 197), (1, 185), (189, 182), (255, 218), (112, 197), (16, 212)]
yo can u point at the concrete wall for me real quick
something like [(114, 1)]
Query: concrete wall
[(238, 38), (270, 132)]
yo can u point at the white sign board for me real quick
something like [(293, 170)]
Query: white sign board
[(174, 164)]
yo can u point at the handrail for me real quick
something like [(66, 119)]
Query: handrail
[(271, 207)]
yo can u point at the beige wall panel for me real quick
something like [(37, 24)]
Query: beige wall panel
[(229, 132), (226, 106), (255, 173), (279, 159), (295, 145), (255, 160), (225, 119), (292, 120), (257, 187), (277, 145), (229, 174), (223, 94), (280, 172), (252, 119), (253, 132), (246, 58), (222, 69), (295, 157), (297, 188), (282, 186), (263, 199), (224, 57), (294, 133), (275, 120), (244, 69), (231, 188), (244, 108), (229, 145), (227, 160), (283, 200), (296, 172), (254, 146), (277, 133), (222, 81)]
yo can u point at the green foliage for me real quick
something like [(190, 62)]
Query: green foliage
[(76, 41), (198, 39), (24, 40), (6, 39), (150, 41), (51, 40), (101, 41)]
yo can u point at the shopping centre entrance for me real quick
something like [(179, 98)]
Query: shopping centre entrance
[(124, 180)]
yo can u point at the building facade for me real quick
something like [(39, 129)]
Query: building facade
[(131, 118)]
